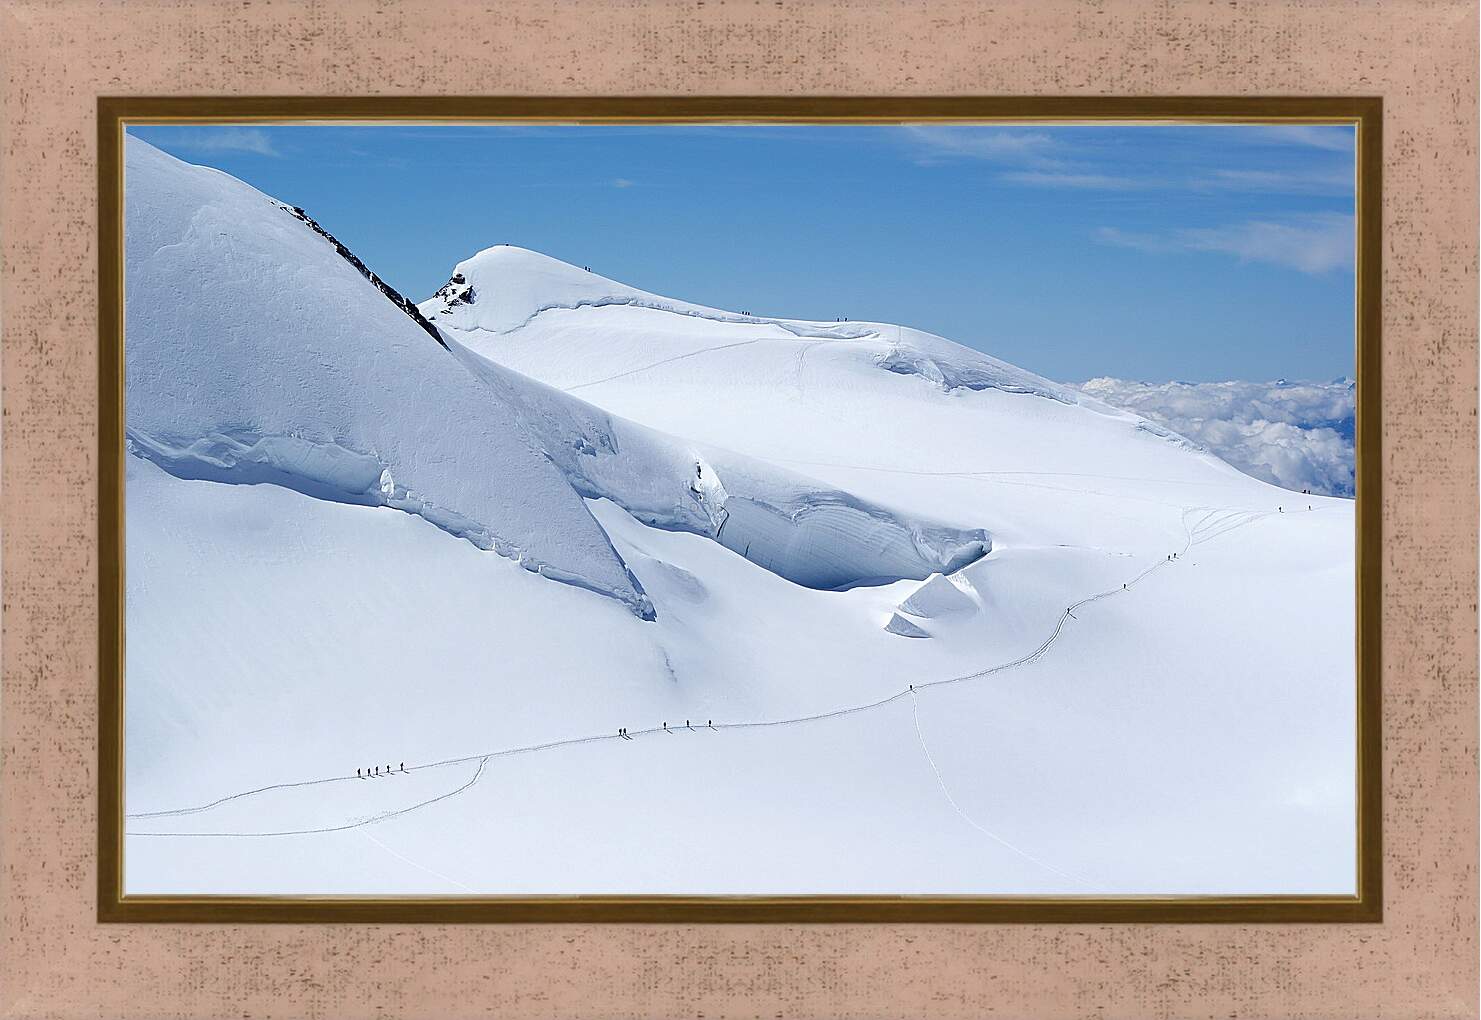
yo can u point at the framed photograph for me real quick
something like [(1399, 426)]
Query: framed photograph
[(739, 510), (786, 333)]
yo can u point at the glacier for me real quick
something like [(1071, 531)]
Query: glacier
[(342, 409), (881, 613)]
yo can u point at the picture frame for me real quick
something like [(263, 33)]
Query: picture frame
[(1365, 113), (58, 960)]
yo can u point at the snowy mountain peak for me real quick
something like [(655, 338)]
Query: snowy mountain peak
[(504, 301), (502, 288)]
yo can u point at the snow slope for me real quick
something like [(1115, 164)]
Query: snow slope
[(255, 352), (792, 525), (957, 628)]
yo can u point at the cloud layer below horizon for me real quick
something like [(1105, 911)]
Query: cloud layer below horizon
[(1296, 435)]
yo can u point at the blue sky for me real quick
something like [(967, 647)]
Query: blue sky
[(1198, 252)]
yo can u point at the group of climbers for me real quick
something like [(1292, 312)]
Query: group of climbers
[(377, 771), (688, 725)]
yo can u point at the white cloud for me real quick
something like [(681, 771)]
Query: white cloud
[(1098, 182), (1296, 435), (1341, 182), (1315, 243), (1039, 158), (225, 139), (1331, 137), (1312, 244), (1153, 244), (622, 182), (1010, 146)]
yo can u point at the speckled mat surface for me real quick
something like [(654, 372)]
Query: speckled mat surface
[(55, 960)]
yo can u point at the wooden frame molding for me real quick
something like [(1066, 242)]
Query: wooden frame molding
[(112, 905)]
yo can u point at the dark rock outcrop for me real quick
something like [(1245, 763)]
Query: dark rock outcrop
[(381, 285)]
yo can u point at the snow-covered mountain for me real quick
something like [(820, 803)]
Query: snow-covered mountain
[(256, 352), (759, 544)]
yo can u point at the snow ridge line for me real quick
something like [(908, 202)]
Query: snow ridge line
[(837, 713), (981, 474), (409, 307), (797, 327)]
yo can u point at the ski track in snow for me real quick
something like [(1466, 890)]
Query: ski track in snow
[(941, 782), (662, 362), (420, 867), (1215, 523), (801, 359), (383, 817)]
